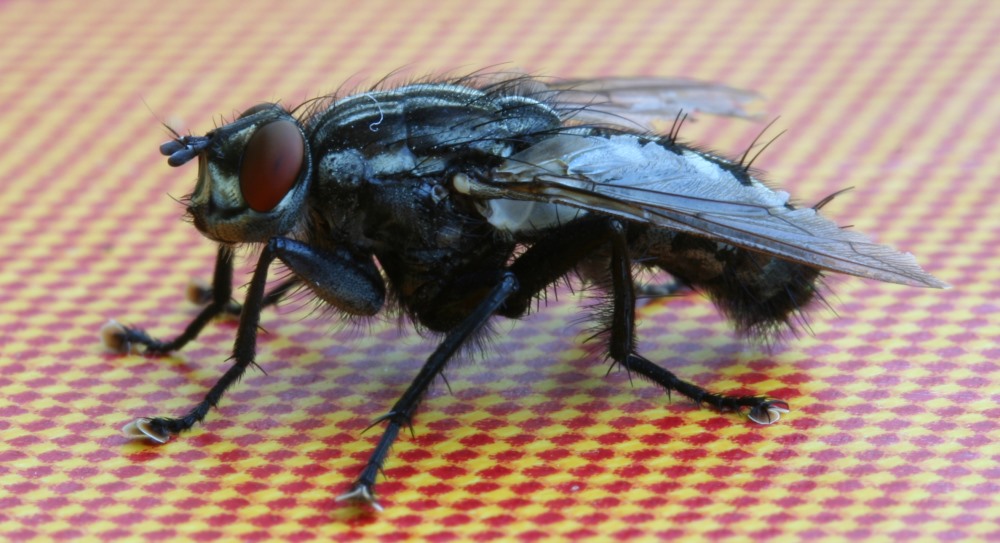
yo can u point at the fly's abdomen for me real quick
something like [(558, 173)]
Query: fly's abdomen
[(759, 293)]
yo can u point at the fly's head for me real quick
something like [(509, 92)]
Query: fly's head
[(253, 175)]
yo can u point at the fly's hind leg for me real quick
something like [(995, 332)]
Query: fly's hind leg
[(558, 254), (217, 300), (621, 344)]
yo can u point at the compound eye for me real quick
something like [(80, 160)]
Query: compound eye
[(271, 164)]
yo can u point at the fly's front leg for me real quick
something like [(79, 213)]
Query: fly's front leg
[(621, 344), (350, 283), (217, 299), (122, 339), (401, 413)]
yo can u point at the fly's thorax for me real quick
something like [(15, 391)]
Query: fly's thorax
[(253, 177), (421, 129)]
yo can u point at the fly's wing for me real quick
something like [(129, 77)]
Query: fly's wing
[(645, 101), (640, 180)]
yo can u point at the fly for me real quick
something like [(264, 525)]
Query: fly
[(460, 200)]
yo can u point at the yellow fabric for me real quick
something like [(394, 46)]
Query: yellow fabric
[(893, 428)]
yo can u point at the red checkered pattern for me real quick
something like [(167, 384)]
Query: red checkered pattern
[(894, 422)]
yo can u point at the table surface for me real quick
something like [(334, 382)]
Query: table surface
[(894, 421)]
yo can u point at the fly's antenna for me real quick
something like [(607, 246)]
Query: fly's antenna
[(743, 159), (180, 149), (381, 116), (170, 129), (183, 149), (163, 123)]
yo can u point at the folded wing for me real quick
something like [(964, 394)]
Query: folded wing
[(687, 191)]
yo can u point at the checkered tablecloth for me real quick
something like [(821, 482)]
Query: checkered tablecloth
[(894, 424)]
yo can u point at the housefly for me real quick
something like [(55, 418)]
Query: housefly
[(454, 201)]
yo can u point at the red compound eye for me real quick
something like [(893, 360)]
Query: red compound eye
[(271, 164)]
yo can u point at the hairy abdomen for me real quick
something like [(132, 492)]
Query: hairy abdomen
[(759, 293)]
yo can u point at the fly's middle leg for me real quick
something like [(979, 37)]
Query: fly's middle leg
[(401, 414)]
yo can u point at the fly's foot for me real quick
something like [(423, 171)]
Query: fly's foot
[(361, 492), (115, 337), (200, 293), (758, 408), (144, 428), (363, 489), (122, 339), (768, 411)]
